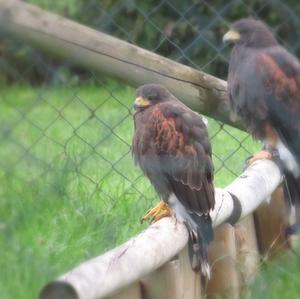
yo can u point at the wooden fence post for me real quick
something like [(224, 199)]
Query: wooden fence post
[(190, 281), (162, 283), (271, 219), (247, 250), (174, 280), (222, 256), (133, 292)]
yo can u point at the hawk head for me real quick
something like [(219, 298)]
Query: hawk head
[(250, 33), (150, 94)]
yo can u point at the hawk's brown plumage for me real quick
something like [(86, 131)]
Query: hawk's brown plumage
[(264, 90), (172, 148)]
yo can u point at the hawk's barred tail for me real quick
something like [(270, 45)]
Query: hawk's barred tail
[(198, 256), (292, 198), (198, 244)]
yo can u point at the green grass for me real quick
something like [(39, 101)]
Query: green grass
[(279, 279), (69, 189), (61, 202)]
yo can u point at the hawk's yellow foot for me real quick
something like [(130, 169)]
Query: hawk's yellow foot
[(161, 210), (259, 156)]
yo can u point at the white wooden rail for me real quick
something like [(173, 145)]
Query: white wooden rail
[(105, 275)]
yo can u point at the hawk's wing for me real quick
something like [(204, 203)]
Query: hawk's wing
[(175, 154), (267, 88)]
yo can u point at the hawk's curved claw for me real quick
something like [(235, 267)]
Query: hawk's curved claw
[(161, 210), (259, 156)]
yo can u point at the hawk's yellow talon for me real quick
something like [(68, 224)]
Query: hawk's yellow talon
[(259, 156), (161, 210)]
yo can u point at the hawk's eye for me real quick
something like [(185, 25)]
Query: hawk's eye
[(244, 31), (152, 96)]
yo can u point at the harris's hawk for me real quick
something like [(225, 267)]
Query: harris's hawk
[(264, 91), (172, 148)]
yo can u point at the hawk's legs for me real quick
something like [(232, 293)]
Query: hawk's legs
[(259, 156), (269, 151), (161, 210)]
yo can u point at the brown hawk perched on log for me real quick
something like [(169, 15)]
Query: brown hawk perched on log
[(172, 148), (264, 91)]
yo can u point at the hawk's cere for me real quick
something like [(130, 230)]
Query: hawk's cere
[(264, 90), (171, 146)]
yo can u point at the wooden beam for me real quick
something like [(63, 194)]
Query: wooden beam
[(105, 275), (120, 267), (103, 53)]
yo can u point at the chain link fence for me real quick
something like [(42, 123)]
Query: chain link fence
[(66, 132)]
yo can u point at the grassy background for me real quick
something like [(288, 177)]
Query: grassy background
[(69, 189)]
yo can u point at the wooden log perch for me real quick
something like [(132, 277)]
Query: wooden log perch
[(123, 265), (100, 52)]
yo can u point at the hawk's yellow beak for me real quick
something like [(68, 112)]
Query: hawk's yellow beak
[(231, 36), (141, 102)]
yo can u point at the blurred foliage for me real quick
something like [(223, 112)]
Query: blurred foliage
[(187, 31)]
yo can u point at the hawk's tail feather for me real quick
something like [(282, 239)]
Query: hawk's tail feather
[(199, 240), (198, 256), (292, 198)]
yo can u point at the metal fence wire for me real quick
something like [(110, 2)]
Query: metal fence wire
[(66, 132)]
